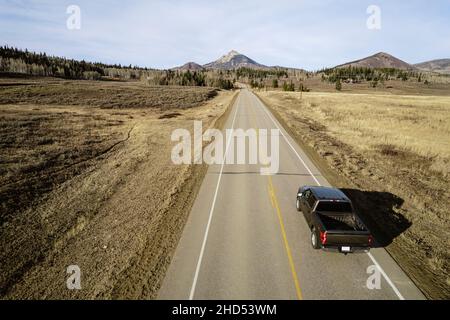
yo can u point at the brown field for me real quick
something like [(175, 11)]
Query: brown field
[(396, 144), (86, 179), (438, 85), (107, 95)]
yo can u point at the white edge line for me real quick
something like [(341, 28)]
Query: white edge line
[(211, 211), (388, 280), (397, 292)]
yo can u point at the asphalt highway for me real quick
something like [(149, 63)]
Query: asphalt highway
[(244, 238)]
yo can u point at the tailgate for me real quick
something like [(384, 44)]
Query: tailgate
[(352, 239)]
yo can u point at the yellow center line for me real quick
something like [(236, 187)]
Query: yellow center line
[(274, 200)]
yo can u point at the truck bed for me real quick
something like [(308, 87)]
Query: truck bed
[(340, 221)]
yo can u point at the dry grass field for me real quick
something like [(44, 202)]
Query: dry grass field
[(397, 144), (107, 95), (438, 85), (86, 178)]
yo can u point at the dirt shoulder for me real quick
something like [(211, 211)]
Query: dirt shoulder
[(120, 214), (397, 179)]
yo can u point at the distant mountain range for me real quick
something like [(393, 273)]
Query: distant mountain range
[(236, 60), (379, 60), (232, 60), (440, 65), (385, 60), (191, 66)]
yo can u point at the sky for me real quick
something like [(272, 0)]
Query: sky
[(308, 34)]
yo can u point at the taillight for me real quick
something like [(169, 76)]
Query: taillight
[(370, 240), (323, 237)]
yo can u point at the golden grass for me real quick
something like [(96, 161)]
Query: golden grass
[(364, 121)]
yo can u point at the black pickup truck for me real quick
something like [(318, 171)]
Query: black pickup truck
[(333, 222)]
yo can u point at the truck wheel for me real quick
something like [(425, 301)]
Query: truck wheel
[(315, 239), (297, 204)]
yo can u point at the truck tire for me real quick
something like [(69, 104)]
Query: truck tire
[(315, 242), (297, 204)]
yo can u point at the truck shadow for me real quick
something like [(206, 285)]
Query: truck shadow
[(379, 211)]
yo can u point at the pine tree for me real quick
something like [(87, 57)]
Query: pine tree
[(275, 83), (338, 84)]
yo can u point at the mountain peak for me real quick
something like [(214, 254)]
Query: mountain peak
[(190, 66), (379, 60), (230, 55), (234, 60), (382, 54)]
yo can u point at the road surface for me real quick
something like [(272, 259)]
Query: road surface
[(244, 238)]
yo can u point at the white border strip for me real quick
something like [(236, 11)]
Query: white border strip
[(399, 295), (211, 211), (388, 280)]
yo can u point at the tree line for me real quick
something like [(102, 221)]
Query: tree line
[(14, 60), (260, 73), (192, 78), (355, 74), (17, 61)]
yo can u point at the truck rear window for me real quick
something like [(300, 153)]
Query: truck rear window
[(334, 206)]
